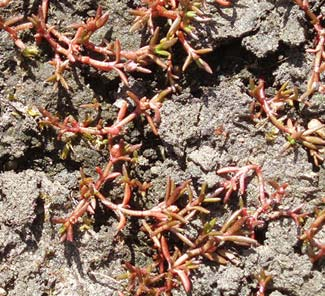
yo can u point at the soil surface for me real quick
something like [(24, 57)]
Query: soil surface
[(252, 39)]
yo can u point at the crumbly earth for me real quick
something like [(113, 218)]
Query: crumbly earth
[(254, 38)]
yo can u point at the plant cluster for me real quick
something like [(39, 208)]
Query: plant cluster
[(312, 137), (314, 83), (169, 221), (316, 248), (13, 31), (180, 16), (110, 137)]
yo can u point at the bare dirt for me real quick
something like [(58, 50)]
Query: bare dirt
[(252, 39)]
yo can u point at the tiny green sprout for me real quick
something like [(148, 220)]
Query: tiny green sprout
[(85, 37), (30, 52), (161, 48), (33, 111), (289, 95), (135, 157), (284, 86), (123, 276), (66, 150), (208, 227), (12, 97), (203, 190), (89, 137), (15, 114), (188, 29), (46, 197), (191, 265), (163, 53), (87, 224), (101, 143), (291, 140), (62, 230), (272, 134), (191, 14)]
